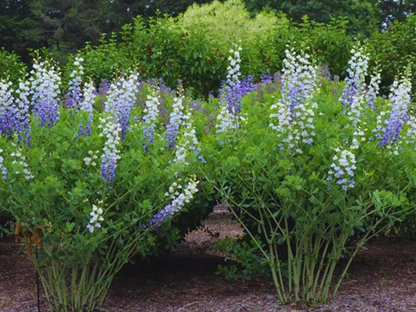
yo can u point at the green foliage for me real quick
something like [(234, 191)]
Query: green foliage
[(361, 15), (246, 260), (168, 51), (329, 43), (306, 224), (104, 61), (194, 47), (393, 50), (11, 67), (52, 191)]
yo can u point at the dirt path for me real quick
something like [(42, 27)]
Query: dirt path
[(382, 278)]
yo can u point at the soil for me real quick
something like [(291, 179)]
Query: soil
[(381, 278)]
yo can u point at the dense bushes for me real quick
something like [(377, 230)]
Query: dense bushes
[(93, 179), (11, 67), (393, 50), (94, 176), (194, 46), (301, 172)]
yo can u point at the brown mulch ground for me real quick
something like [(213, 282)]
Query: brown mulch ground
[(381, 278)]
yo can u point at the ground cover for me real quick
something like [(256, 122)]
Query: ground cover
[(381, 278)]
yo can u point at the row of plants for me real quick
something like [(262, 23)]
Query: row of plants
[(93, 177)]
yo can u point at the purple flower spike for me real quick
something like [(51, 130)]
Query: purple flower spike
[(176, 119), (177, 203), (399, 102)]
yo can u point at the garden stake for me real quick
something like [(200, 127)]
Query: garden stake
[(37, 280)]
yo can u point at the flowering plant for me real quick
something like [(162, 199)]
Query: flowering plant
[(304, 198), (91, 200)]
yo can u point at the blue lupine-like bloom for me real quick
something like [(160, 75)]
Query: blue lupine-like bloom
[(45, 83), (176, 119), (177, 202), (104, 87), (7, 109), (399, 101), (121, 99), (230, 96), (14, 110), (231, 93), (112, 131)]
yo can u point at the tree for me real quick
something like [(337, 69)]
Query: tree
[(391, 10), (362, 14), (15, 21), (66, 25)]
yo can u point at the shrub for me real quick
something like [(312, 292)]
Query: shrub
[(91, 188), (301, 171), (393, 50), (11, 67)]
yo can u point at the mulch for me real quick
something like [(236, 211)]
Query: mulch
[(381, 278)]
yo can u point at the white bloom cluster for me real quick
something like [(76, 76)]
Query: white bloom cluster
[(96, 217), (151, 112), (3, 171), (410, 136), (226, 121), (373, 88), (400, 95), (91, 160), (151, 109), (178, 200), (295, 111), (234, 67), (79, 71), (357, 96), (14, 110), (6, 105), (6, 97), (358, 68), (354, 94), (359, 135), (342, 169), (87, 103), (187, 142), (299, 77), (21, 160)]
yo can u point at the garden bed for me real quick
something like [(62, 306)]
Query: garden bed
[(381, 278)]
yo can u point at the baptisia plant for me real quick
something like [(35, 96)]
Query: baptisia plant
[(304, 186), (91, 202)]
